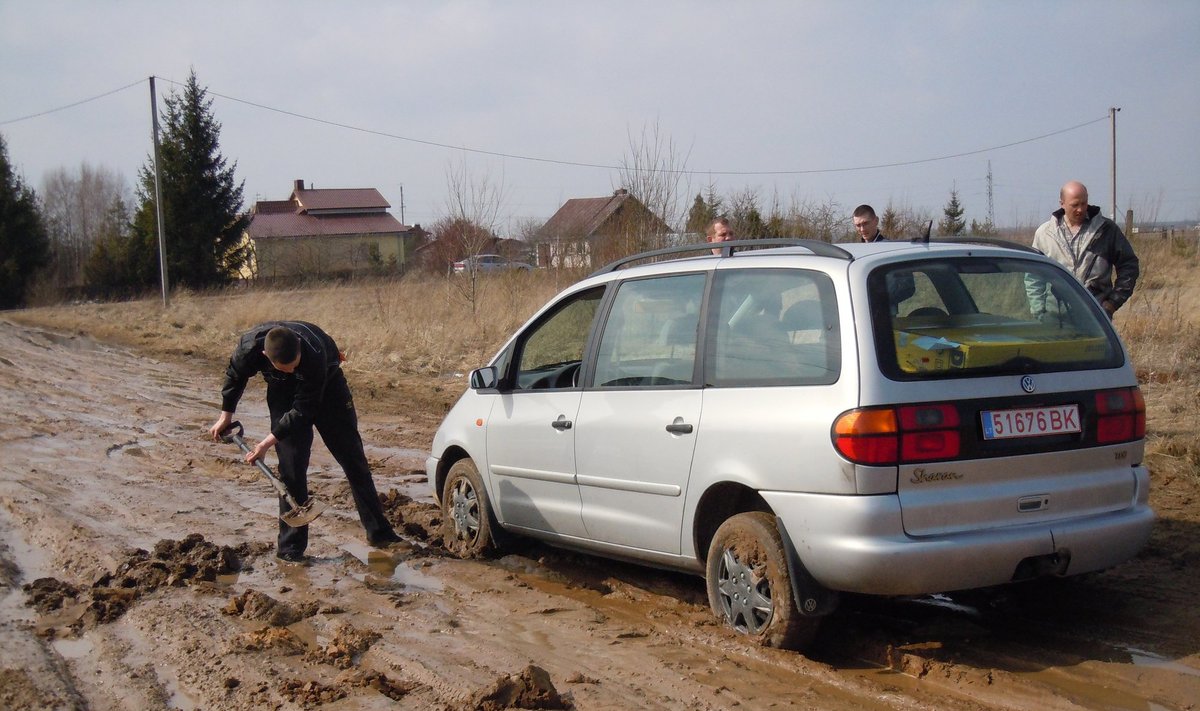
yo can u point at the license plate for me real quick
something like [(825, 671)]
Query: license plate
[(1030, 422)]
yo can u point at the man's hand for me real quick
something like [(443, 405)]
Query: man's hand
[(260, 450), (220, 425)]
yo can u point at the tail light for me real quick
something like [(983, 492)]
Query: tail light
[(1120, 415), (884, 436)]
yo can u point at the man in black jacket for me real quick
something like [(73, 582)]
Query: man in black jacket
[(306, 388), (866, 224)]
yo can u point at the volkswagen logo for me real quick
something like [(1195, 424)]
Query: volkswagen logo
[(1027, 384)]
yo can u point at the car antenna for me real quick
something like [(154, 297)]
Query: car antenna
[(928, 228)]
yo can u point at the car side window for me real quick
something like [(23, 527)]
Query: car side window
[(773, 327), (650, 337), (551, 352)]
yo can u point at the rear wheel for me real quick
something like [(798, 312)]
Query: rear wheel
[(749, 587), (468, 526)]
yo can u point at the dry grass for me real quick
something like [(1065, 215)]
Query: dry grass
[(1161, 326), (409, 338), (406, 339)]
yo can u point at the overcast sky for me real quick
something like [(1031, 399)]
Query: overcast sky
[(795, 100)]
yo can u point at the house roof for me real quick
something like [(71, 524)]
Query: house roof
[(292, 224), (581, 217), (323, 212), (340, 199)]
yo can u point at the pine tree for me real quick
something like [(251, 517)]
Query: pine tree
[(889, 222), (700, 216), (202, 203), (953, 222), (24, 241)]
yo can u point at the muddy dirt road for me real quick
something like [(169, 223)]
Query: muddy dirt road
[(137, 572)]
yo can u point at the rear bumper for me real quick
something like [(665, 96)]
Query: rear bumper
[(857, 544)]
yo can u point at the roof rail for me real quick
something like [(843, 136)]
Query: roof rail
[(968, 239), (728, 249)]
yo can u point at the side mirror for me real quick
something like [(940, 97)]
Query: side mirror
[(484, 378)]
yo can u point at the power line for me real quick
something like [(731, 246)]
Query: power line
[(577, 164), (602, 166), (72, 105)]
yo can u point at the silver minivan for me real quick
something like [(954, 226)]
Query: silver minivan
[(791, 419)]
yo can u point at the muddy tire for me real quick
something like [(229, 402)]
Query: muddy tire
[(749, 588), (468, 527)]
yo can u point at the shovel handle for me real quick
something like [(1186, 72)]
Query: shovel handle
[(233, 433)]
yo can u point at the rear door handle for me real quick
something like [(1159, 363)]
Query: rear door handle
[(679, 428), (561, 423)]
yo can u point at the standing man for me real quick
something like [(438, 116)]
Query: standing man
[(305, 389), (866, 223), (719, 231), (1091, 246)]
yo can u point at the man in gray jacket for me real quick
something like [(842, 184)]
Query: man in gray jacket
[(1091, 246)]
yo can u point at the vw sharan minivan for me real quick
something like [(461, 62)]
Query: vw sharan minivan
[(793, 419)]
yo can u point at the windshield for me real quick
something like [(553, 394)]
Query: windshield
[(986, 316)]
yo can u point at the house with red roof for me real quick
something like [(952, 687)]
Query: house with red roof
[(327, 232), (588, 232)]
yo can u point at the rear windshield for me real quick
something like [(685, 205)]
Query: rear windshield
[(986, 316)]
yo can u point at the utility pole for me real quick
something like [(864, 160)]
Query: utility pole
[(402, 204), (162, 241), (1112, 113)]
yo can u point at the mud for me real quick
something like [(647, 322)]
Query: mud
[(137, 572)]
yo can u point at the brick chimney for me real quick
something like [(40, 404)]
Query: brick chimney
[(299, 185)]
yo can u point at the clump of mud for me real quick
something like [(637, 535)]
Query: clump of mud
[(253, 605), (171, 563), (531, 689), (345, 648), (369, 679), (419, 520), (279, 640), (310, 693)]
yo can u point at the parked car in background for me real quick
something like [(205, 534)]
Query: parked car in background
[(794, 419), (485, 263)]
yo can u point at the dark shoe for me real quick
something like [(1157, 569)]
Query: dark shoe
[(384, 540), (292, 557)]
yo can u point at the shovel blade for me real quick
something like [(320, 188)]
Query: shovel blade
[(303, 515)]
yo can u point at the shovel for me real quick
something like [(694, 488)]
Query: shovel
[(298, 515)]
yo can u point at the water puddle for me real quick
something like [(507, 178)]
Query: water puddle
[(389, 566), (1142, 658), (72, 649)]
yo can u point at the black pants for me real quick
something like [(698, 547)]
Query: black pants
[(337, 423)]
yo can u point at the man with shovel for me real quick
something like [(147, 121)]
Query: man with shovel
[(306, 388)]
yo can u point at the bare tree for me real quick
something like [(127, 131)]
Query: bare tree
[(473, 204), (77, 207), (655, 172)]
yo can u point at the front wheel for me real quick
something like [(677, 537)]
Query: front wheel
[(468, 526), (749, 587)]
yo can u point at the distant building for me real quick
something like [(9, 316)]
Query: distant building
[(327, 232), (588, 232)]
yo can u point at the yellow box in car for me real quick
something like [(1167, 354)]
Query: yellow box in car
[(925, 349)]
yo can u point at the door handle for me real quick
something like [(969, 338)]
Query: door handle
[(679, 428), (561, 423)]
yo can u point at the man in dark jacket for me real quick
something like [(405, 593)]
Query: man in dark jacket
[(306, 388), (866, 224)]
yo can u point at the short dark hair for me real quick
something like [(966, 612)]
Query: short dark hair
[(864, 211), (712, 226), (282, 345)]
